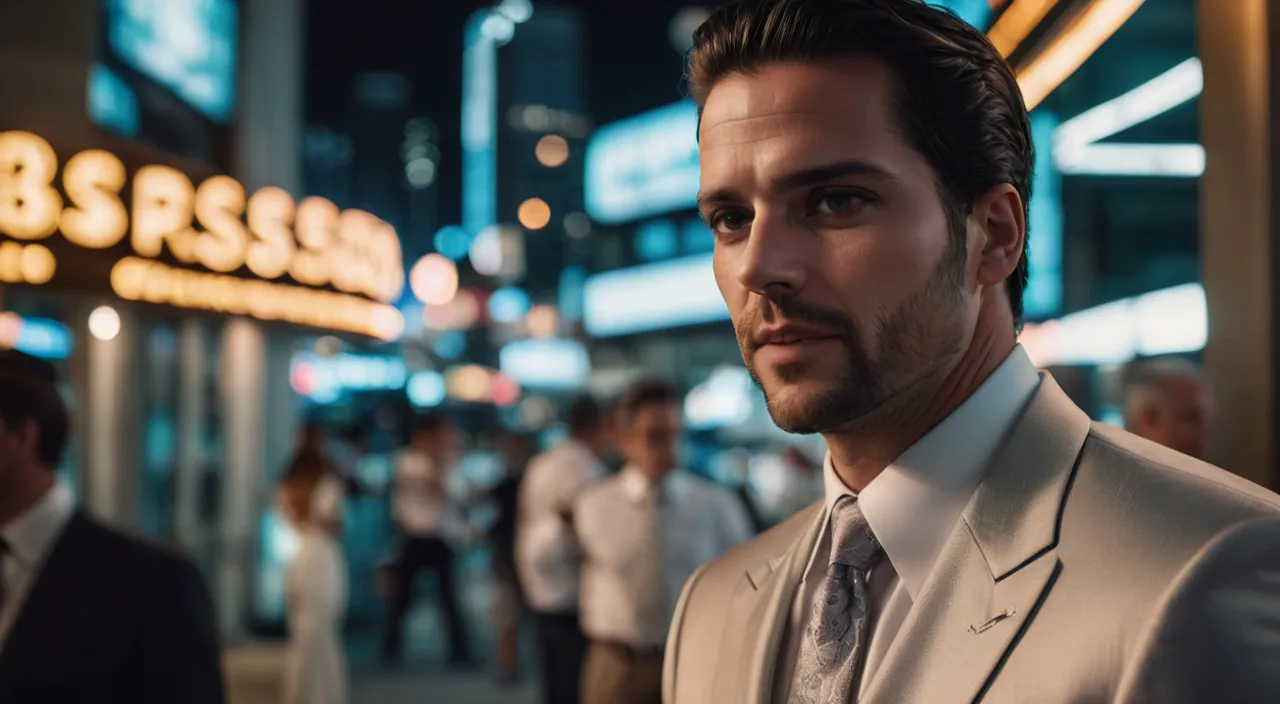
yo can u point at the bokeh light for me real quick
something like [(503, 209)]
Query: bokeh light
[(537, 412), (104, 323), (328, 346), (543, 321), (534, 214), (469, 383), (503, 390), (434, 280), (420, 172), (486, 251), (425, 389), (451, 345), (552, 150), (452, 241), (508, 304), (458, 314), (577, 225), (683, 25)]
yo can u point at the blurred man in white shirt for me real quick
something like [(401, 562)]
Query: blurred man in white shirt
[(547, 554), (419, 507), (643, 533)]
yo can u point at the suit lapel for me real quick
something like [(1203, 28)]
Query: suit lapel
[(758, 616), (997, 567), (57, 588)]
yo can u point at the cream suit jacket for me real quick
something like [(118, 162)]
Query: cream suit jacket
[(1089, 566)]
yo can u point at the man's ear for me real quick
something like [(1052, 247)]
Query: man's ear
[(1003, 234)]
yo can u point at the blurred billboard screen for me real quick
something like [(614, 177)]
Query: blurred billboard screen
[(187, 46), (643, 165), (652, 297), (546, 364)]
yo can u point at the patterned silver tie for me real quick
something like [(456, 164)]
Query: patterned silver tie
[(834, 647)]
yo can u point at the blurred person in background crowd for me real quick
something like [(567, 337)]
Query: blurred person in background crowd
[(86, 613), (548, 557), (311, 462), (509, 601), (315, 585), (1167, 401), (421, 508), (865, 170), (643, 533), (347, 450)]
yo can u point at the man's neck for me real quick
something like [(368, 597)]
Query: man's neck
[(23, 492), (654, 475), (863, 449)]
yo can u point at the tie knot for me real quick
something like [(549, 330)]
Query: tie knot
[(852, 542)]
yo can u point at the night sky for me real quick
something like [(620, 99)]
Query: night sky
[(632, 66)]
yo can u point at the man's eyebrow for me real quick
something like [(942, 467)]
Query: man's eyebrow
[(804, 177), (828, 172)]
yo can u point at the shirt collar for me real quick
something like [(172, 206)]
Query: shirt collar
[(913, 505), (32, 534), (637, 485)]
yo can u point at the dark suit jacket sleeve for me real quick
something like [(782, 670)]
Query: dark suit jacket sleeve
[(1216, 638), (178, 658)]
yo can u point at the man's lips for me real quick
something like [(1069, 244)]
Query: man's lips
[(788, 345), (791, 335)]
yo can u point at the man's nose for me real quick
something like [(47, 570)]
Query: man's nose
[(774, 261)]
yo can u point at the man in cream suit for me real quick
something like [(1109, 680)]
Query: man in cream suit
[(865, 171)]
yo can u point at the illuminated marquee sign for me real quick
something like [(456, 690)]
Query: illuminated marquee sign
[(241, 242)]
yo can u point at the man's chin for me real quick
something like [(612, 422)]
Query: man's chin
[(799, 407)]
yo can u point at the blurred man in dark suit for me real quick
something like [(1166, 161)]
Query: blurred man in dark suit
[(86, 613)]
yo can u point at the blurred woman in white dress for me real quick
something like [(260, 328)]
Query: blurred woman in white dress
[(315, 584)]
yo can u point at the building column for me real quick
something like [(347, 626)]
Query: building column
[(268, 152), (1239, 45), (189, 427), (109, 337), (243, 396)]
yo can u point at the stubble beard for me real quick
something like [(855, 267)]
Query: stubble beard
[(910, 343)]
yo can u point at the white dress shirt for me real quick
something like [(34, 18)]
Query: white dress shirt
[(548, 560), (912, 507), (697, 520), (419, 496), (30, 537)]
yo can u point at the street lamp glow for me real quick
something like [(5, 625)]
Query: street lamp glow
[(434, 280), (552, 150), (534, 214), (104, 323)]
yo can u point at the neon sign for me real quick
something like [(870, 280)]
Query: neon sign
[(324, 379), (643, 165), (215, 226)]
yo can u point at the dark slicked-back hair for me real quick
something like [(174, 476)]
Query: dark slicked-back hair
[(644, 392), (956, 99)]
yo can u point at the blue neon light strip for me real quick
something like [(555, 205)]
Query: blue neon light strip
[(43, 338), (479, 126), (1043, 297)]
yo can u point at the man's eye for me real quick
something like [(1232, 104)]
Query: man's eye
[(838, 204), (729, 222)]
